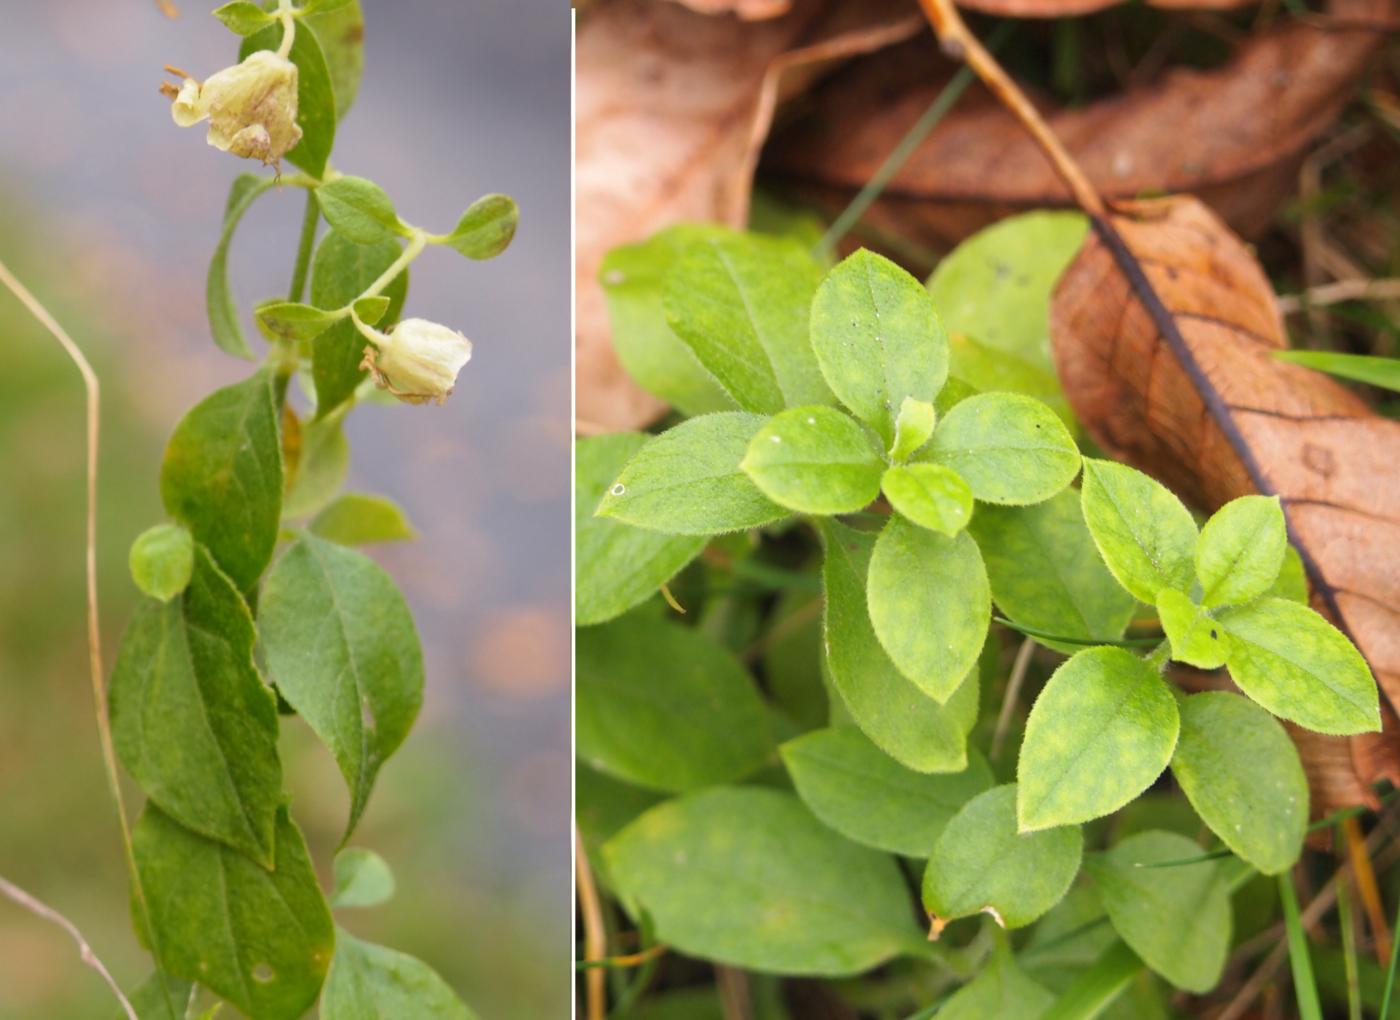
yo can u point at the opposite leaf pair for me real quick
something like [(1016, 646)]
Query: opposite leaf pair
[(1234, 595)]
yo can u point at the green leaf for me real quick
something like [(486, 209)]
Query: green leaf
[(486, 228), (1300, 667), (161, 561), (288, 320), (359, 209), (262, 939), (814, 460), (1292, 581), (362, 879), (315, 95), (603, 806), (878, 339), (218, 296), (1242, 774), (862, 793), (912, 428), (1000, 990), (1046, 574), (357, 518), (713, 870), (191, 719), (636, 677), (321, 467), (369, 982), (1101, 732), (741, 302), (1144, 534), (159, 997), (371, 309), (322, 6), (996, 285), (616, 566), (929, 603), (632, 278), (982, 864), (901, 719), (1010, 449), (930, 495), (222, 476), (340, 272), (1240, 551), (1362, 368), (989, 370), (654, 357), (1195, 637), (1094, 990), (1177, 919), (243, 17), (343, 651), (688, 480), (340, 27)]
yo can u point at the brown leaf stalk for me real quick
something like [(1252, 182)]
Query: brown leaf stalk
[(594, 934)]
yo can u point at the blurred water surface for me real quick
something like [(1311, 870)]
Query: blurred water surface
[(111, 213)]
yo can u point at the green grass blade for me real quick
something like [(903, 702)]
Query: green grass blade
[(1390, 971), (1362, 368), (1304, 985)]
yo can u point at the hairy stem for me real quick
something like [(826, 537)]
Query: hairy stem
[(48, 913)]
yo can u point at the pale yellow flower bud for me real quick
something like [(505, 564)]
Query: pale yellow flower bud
[(417, 361), (251, 107)]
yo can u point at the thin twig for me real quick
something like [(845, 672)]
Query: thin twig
[(1342, 290), (959, 43), (734, 996), (48, 913), (1019, 669), (94, 628), (1366, 888), (594, 935)]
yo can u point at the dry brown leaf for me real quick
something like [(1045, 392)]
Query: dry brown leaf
[(1233, 135), (1071, 8), (672, 108), (749, 10), (1189, 392)]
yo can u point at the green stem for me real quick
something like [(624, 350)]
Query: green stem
[(1157, 658), (1304, 986), (416, 243), (1390, 972), (309, 221)]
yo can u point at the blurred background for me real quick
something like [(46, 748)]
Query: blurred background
[(110, 213)]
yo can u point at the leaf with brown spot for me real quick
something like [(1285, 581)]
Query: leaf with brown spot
[(1232, 135), (672, 107), (1163, 331)]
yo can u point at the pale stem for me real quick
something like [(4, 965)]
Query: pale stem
[(48, 913), (1019, 668), (94, 630), (289, 27)]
